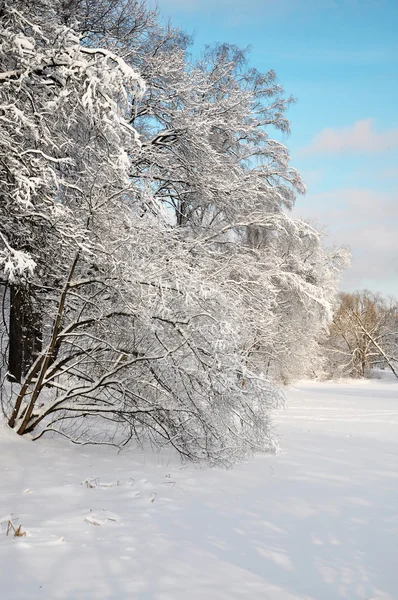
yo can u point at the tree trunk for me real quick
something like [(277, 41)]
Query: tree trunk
[(15, 353), (363, 366), (25, 332)]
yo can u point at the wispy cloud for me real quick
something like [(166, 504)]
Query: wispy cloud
[(358, 138), (365, 220)]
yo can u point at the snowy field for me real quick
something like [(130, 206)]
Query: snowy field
[(317, 522)]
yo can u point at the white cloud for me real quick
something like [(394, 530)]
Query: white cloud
[(366, 221), (359, 137)]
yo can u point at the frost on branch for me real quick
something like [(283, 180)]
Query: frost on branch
[(15, 263)]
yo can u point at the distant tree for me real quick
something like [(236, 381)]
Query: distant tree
[(363, 335)]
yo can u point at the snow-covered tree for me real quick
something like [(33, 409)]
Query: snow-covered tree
[(56, 98), (216, 167), (154, 274), (306, 278), (209, 160)]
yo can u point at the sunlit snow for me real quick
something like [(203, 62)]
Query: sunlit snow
[(319, 521)]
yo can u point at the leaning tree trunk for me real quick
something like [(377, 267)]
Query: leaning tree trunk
[(25, 332), (389, 359)]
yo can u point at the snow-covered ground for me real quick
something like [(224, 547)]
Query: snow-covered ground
[(317, 522)]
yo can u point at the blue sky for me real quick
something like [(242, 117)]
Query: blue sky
[(339, 58)]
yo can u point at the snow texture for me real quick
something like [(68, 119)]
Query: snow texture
[(319, 521)]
